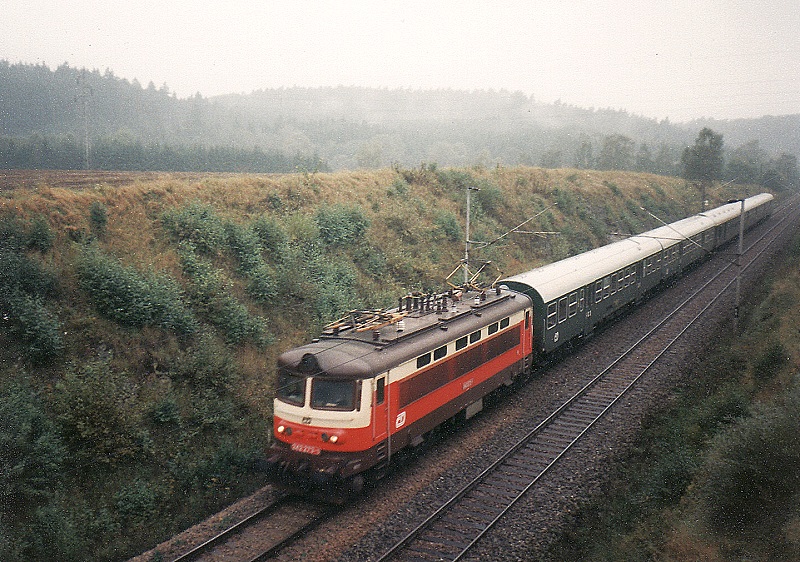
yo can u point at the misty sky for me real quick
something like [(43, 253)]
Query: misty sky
[(675, 59)]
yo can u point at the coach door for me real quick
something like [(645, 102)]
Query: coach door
[(380, 409)]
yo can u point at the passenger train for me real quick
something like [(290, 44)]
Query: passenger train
[(376, 383)]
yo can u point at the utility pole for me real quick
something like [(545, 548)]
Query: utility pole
[(739, 268), (83, 95), (467, 240)]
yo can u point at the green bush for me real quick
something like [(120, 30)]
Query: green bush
[(130, 298), (211, 294), (198, 224), (770, 361), (98, 218), (245, 245), (263, 286), (36, 327), (40, 237), (24, 284), (98, 415), (272, 236), (31, 451), (447, 224), (751, 480), (341, 224)]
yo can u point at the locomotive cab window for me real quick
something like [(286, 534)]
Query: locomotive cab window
[(291, 388), (333, 395), (423, 360)]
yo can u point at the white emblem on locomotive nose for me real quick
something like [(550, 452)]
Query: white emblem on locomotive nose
[(401, 419)]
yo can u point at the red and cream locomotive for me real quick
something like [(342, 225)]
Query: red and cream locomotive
[(377, 382)]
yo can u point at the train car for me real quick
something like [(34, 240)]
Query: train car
[(572, 297), (376, 383)]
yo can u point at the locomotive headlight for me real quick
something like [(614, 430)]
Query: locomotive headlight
[(334, 438), (281, 429)]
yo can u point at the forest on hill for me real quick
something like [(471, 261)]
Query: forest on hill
[(73, 118)]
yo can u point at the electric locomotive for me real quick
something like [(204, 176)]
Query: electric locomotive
[(375, 383)]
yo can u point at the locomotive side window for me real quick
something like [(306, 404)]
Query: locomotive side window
[(493, 328), (291, 388), (551, 314), (333, 395), (423, 360), (380, 391), (504, 323), (474, 336), (461, 343), (439, 353)]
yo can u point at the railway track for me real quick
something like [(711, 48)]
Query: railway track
[(276, 526), (451, 531)]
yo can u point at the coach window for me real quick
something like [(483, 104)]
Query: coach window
[(439, 353), (582, 300), (598, 291), (504, 323), (613, 283), (573, 304), (551, 314), (493, 328), (606, 286), (423, 360), (461, 343), (474, 336), (562, 309)]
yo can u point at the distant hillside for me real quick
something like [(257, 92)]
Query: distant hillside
[(349, 128)]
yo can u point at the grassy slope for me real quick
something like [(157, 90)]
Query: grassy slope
[(196, 409)]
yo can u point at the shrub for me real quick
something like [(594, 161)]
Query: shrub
[(752, 475), (97, 412), (447, 223), (38, 329), (341, 224), (198, 224), (31, 451), (126, 296), (262, 287), (98, 218), (272, 236), (40, 237), (245, 245), (211, 293), (770, 361)]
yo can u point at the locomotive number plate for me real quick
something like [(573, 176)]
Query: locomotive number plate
[(308, 449)]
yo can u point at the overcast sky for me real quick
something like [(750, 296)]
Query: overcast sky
[(675, 59)]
